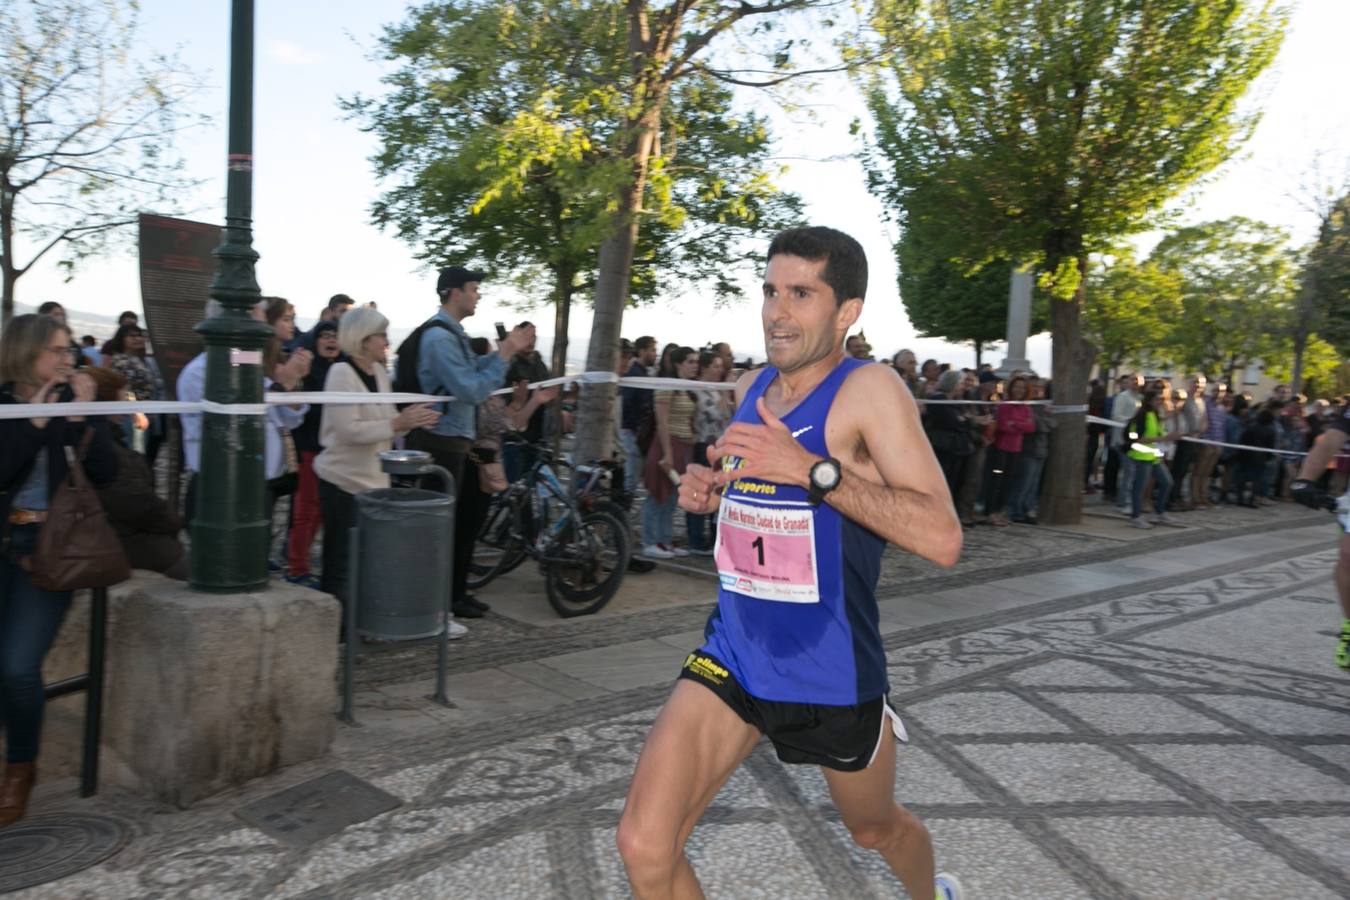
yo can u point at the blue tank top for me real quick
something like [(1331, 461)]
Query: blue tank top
[(783, 637)]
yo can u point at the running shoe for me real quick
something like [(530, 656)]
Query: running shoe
[(457, 630), (309, 580), (1163, 519), (1138, 522), (700, 552), (656, 551), (948, 888), (1343, 646), (673, 550)]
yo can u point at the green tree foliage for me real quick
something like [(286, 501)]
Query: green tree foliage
[(1326, 276), (1042, 130), (1131, 309), (944, 301), (1237, 281), (1320, 367), (86, 131), (503, 140)]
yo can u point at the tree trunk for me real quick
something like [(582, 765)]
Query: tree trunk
[(979, 354), (1062, 494), (596, 426), (8, 273), (562, 310)]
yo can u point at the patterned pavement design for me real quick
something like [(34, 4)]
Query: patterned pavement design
[(1182, 736)]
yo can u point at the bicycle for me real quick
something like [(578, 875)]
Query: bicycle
[(582, 546)]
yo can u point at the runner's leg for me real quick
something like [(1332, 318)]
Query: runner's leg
[(866, 800), (694, 746)]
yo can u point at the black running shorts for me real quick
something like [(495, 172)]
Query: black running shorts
[(845, 738)]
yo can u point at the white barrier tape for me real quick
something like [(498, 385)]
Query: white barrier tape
[(922, 401), (1194, 440), (294, 398), (232, 409)]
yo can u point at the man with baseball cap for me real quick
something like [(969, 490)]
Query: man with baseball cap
[(446, 364)]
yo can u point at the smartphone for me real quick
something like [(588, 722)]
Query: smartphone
[(501, 331)]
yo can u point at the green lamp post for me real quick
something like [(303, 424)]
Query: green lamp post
[(230, 531)]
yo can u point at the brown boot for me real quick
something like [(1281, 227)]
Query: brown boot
[(14, 790)]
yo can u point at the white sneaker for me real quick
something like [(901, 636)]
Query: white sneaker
[(457, 630), (1138, 522), (673, 550), (656, 551), (948, 888), (1163, 519)]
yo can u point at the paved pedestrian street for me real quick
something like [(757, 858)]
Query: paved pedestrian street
[(1163, 722)]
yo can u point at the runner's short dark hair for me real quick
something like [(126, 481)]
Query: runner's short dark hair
[(845, 262)]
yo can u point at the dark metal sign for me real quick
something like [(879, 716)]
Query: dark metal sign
[(177, 269)]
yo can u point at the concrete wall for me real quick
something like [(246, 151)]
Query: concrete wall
[(203, 691)]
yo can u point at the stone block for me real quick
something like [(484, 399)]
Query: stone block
[(202, 691)]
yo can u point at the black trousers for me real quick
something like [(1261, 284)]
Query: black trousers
[(452, 454), (1181, 464), (339, 515)]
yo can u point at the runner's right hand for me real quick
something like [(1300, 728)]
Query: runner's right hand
[(1310, 495), (698, 490)]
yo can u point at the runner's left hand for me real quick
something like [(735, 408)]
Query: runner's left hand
[(768, 452)]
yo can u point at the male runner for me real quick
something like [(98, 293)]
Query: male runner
[(1304, 489), (824, 463)]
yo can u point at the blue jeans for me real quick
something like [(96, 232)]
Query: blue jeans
[(29, 620), (517, 458), (1125, 483), (1162, 486), (633, 460), (658, 520), (1026, 485), (702, 531)]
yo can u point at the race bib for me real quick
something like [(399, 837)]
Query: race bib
[(768, 553)]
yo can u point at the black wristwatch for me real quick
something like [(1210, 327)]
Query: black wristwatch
[(824, 478)]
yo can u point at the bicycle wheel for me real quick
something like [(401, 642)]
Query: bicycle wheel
[(588, 566), (496, 551)]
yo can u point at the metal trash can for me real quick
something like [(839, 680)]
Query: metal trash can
[(402, 550)]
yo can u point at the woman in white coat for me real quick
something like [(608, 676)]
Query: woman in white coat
[(353, 435)]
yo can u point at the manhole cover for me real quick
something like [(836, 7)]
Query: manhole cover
[(39, 849), (318, 808)]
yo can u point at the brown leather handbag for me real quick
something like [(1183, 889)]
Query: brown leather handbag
[(76, 547)]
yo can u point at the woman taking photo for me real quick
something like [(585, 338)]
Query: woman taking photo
[(36, 366), (669, 454), (1012, 421), (353, 435), (126, 356)]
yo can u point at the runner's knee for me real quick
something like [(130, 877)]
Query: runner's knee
[(901, 828), (646, 850)]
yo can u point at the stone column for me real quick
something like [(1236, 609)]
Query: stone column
[(1019, 323), (204, 691)]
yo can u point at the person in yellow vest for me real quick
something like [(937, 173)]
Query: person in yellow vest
[(1143, 437)]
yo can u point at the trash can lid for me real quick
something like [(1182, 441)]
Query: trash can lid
[(404, 462)]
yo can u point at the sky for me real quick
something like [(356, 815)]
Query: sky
[(313, 182)]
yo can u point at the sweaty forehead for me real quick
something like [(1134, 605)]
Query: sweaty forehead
[(785, 269)]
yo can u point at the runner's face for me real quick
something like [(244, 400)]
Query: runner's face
[(802, 322)]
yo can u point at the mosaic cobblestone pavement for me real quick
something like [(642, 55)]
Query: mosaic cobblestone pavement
[(1178, 736)]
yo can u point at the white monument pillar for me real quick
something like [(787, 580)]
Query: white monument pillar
[(1019, 323)]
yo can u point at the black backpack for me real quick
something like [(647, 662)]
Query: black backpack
[(405, 375)]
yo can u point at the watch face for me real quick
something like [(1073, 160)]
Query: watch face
[(825, 475)]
